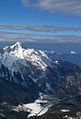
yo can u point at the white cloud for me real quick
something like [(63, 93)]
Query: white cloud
[(67, 7)]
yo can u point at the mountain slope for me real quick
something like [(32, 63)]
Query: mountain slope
[(28, 75)]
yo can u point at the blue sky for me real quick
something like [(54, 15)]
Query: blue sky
[(41, 19)]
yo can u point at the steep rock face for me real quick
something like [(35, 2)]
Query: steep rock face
[(33, 71)]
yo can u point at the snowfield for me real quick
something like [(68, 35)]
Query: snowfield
[(37, 108)]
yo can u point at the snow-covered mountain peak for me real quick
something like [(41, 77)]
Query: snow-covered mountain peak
[(16, 46), (17, 54)]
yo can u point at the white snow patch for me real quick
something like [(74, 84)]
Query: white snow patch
[(37, 108), (65, 110), (56, 62), (41, 101), (66, 116), (49, 87), (73, 52)]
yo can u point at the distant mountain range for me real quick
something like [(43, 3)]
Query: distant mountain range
[(32, 81), (72, 56)]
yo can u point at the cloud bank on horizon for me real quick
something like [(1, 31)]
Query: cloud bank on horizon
[(14, 33), (8, 36)]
